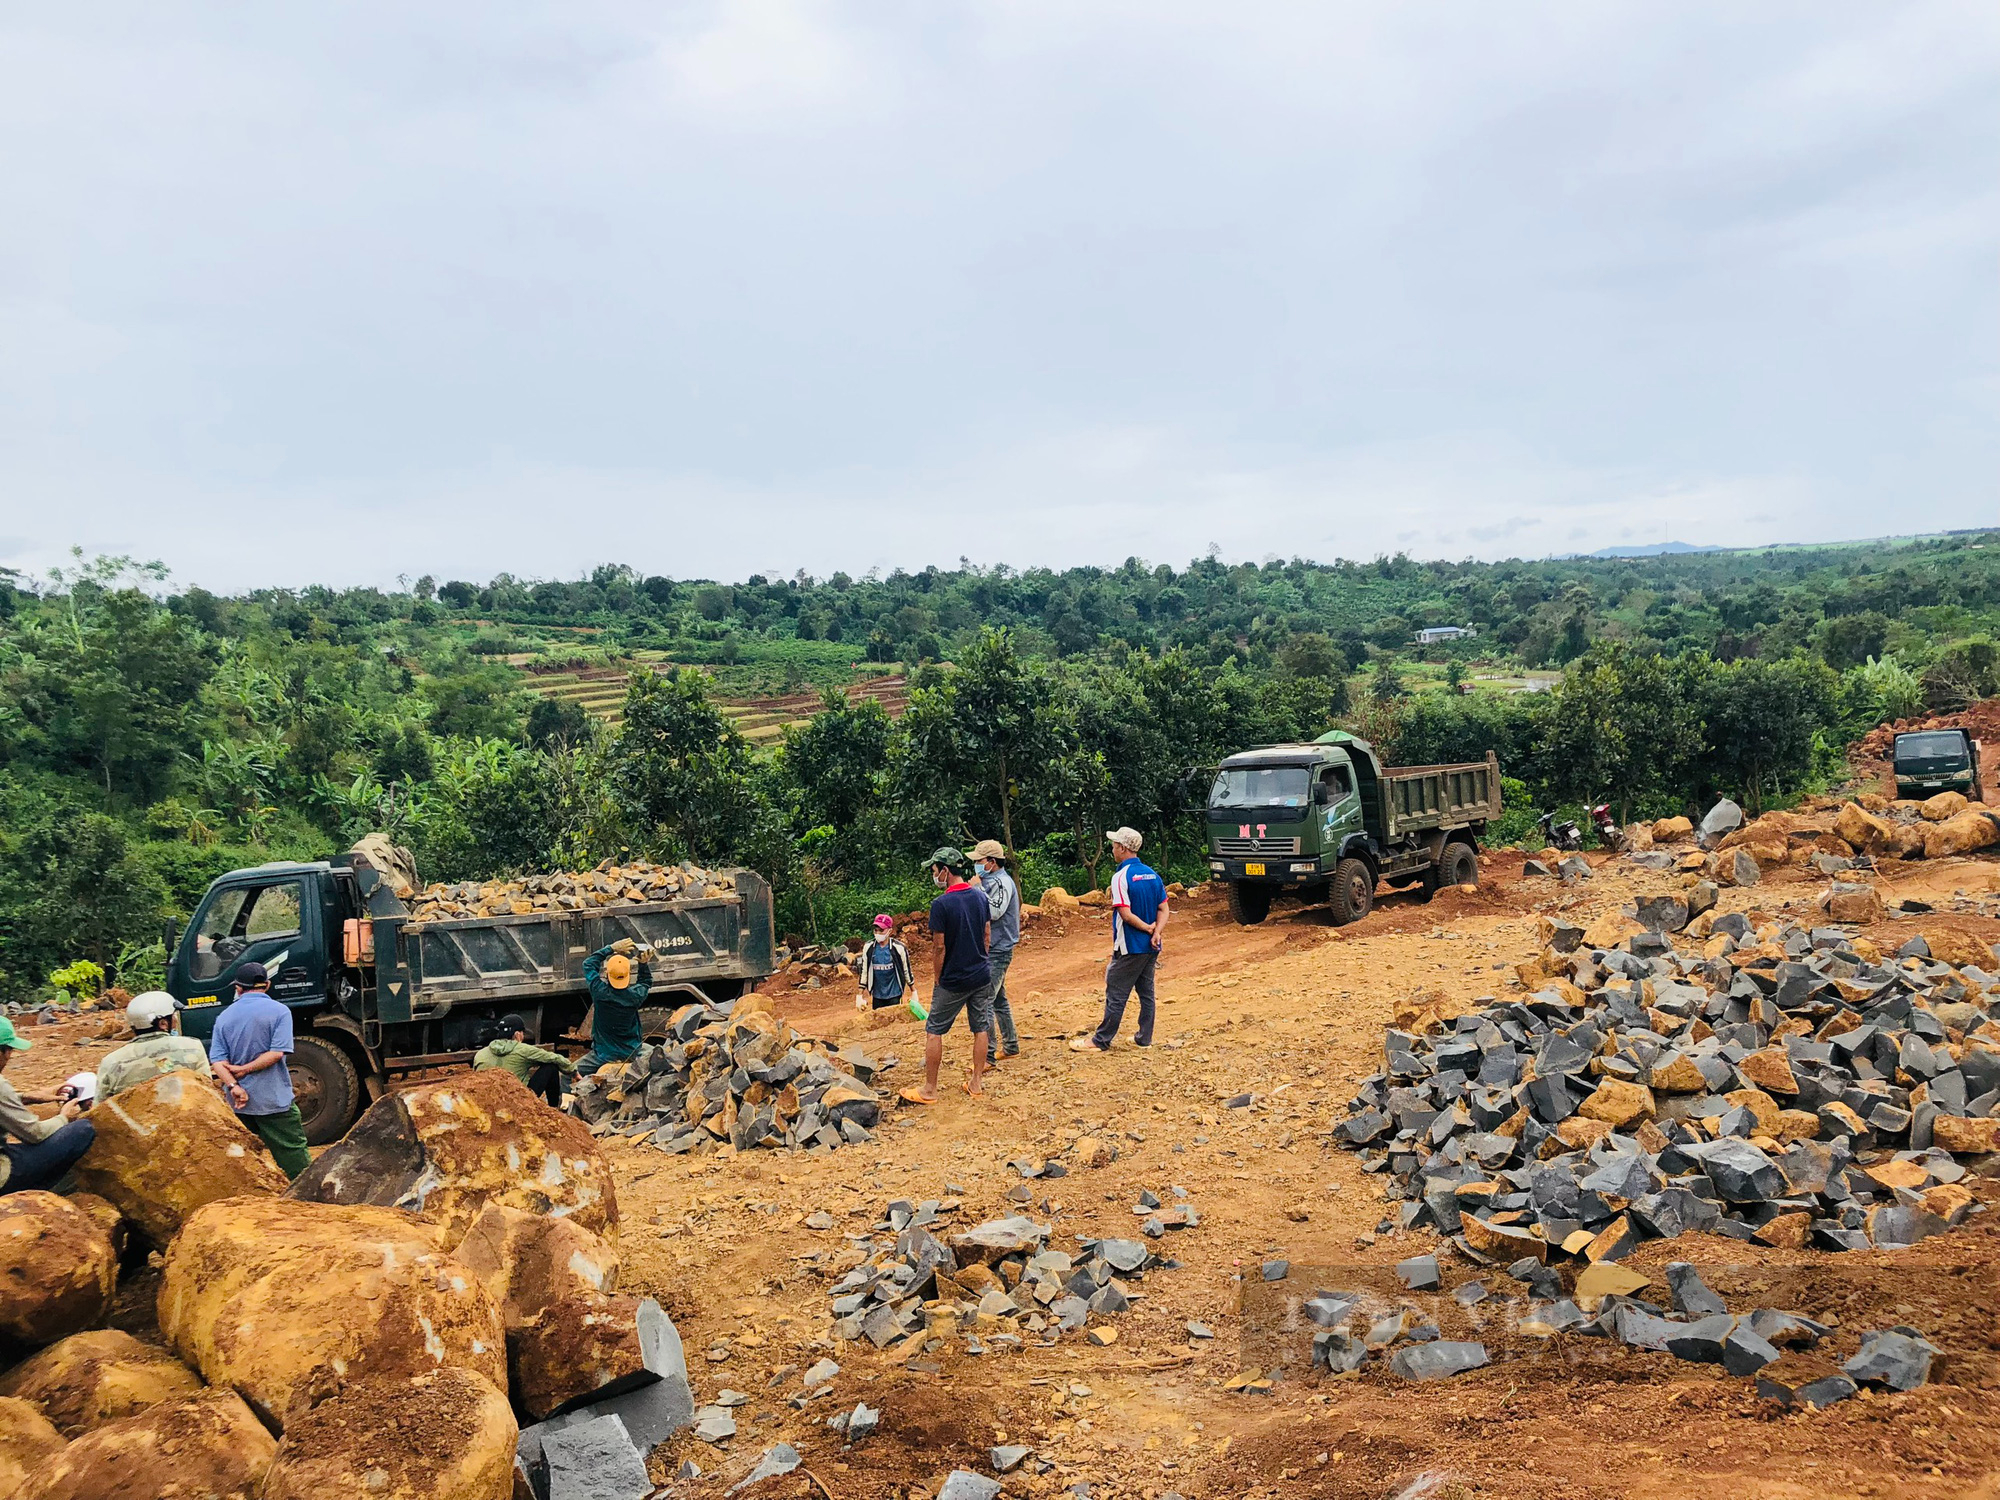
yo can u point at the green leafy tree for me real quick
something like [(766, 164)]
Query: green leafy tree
[(1764, 719)]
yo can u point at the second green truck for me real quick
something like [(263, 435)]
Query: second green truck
[(1327, 821)]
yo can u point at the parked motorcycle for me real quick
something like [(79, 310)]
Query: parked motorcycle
[(1609, 834), (1559, 833)]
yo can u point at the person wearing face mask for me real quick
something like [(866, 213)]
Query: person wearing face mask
[(961, 979), (1003, 908)]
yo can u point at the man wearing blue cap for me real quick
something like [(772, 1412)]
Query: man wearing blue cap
[(41, 1151), (247, 1052)]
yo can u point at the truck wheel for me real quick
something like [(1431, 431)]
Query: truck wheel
[(1248, 903), (1353, 891), (327, 1088), (1460, 866)]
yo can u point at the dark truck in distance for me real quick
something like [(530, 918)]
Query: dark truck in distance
[(374, 994), (1929, 761), (1328, 820)]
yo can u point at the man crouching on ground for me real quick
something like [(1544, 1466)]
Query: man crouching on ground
[(960, 978)]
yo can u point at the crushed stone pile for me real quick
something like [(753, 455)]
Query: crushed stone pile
[(1784, 1351), (997, 1284), (1748, 1079), (610, 884), (732, 1074)]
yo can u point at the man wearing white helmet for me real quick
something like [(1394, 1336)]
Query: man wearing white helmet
[(155, 1020)]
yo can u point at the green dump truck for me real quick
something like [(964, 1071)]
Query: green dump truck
[(373, 993), (1329, 822), (1929, 761)]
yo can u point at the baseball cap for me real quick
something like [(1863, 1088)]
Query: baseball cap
[(1130, 838), (511, 1023), (618, 971), (884, 922), (151, 1007), (253, 975), (953, 859), (989, 849), (11, 1038)]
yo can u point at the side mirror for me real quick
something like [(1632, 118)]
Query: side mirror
[(1325, 793), (170, 934)]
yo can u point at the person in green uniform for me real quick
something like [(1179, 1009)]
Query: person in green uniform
[(619, 980), (537, 1067)]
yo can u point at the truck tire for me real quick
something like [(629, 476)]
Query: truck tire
[(327, 1087), (1248, 903), (1353, 891), (1460, 866)]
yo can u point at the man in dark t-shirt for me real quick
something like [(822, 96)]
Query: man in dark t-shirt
[(960, 978)]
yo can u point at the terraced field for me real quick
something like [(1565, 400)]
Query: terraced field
[(601, 691)]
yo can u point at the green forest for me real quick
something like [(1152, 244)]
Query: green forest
[(153, 736)]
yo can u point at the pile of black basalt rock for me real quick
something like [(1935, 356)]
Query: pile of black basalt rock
[(997, 1284), (728, 1075), (1352, 1329), (1783, 1085)]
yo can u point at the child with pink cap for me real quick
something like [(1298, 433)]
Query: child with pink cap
[(883, 968)]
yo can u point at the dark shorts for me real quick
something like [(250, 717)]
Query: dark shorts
[(977, 1003)]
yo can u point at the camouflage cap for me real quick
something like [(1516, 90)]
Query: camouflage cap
[(951, 857)]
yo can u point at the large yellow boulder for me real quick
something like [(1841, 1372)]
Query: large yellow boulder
[(1944, 805), (1669, 829), (526, 1262), (448, 1149), (448, 1435), (1056, 900), (1863, 830), (58, 1268), (1961, 834), (589, 1347), (92, 1378), (277, 1298), (166, 1147), (27, 1439), (208, 1447)]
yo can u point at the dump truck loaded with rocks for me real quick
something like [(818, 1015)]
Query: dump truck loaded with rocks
[(384, 978), (1329, 820)]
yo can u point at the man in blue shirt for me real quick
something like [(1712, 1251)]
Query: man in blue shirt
[(247, 1052), (961, 979), (1138, 917)]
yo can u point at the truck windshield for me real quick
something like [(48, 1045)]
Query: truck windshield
[(1942, 746), (1261, 786)]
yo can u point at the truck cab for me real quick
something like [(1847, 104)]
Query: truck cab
[(1928, 761), (287, 917)]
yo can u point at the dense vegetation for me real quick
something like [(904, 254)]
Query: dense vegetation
[(152, 738)]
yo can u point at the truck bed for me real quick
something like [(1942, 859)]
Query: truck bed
[(424, 969), (1418, 799)]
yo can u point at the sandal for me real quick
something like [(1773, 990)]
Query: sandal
[(914, 1095)]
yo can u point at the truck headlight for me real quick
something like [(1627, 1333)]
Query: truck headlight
[(1216, 864), (1311, 869)]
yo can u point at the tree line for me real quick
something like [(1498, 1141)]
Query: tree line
[(151, 739)]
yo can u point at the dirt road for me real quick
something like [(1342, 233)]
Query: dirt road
[(1291, 1013)]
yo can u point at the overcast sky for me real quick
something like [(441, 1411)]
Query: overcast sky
[(337, 293)]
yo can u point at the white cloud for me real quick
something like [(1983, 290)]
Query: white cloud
[(747, 283)]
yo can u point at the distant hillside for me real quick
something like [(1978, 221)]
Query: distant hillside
[(1654, 549)]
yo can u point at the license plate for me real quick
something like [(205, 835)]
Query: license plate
[(1253, 869)]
